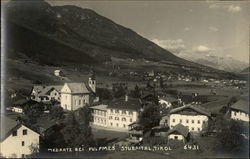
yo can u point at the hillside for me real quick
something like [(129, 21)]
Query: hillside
[(69, 36)]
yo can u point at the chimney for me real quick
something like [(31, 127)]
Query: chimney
[(126, 98)]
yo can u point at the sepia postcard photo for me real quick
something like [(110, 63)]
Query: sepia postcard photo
[(124, 79)]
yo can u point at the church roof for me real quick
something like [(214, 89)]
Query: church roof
[(79, 88)]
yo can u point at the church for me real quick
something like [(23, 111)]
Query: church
[(77, 95)]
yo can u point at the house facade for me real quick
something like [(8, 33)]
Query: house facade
[(41, 93), (17, 139), (240, 110), (122, 112), (192, 117), (99, 114), (118, 114), (77, 95), (178, 132)]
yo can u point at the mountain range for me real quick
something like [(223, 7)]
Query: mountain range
[(70, 35)]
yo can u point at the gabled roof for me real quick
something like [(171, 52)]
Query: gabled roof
[(131, 104), (195, 108), (44, 90), (241, 105), (79, 88), (180, 129), (100, 107), (8, 126)]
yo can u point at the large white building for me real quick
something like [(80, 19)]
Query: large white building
[(99, 114), (118, 115), (16, 139), (240, 110), (77, 95), (193, 117)]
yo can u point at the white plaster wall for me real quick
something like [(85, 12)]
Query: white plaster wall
[(237, 115), (13, 144), (197, 126), (121, 122)]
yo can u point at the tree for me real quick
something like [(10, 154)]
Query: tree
[(149, 117), (32, 112), (77, 134), (136, 92), (230, 136), (56, 112)]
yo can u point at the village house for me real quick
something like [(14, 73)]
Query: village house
[(240, 110), (17, 139), (58, 73), (191, 116), (45, 94), (179, 132), (77, 95), (18, 106), (168, 101), (122, 112)]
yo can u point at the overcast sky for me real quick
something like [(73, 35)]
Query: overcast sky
[(208, 28)]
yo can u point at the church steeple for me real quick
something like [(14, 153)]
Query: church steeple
[(92, 81)]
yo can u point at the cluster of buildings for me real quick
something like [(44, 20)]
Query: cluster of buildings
[(119, 115)]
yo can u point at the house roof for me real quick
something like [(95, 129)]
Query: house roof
[(131, 104), (195, 108), (8, 126), (79, 88), (44, 90), (100, 107), (23, 102), (241, 105), (168, 99), (179, 128)]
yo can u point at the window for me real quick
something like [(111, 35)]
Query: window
[(22, 143), (116, 118), (104, 114), (180, 120), (123, 112), (187, 121), (79, 101), (130, 119), (175, 137), (84, 101), (14, 133), (55, 94), (123, 119), (111, 124), (130, 113), (117, 125), (192, 121), (124, 125), (110, 117), (75, 102), (111, 110), (199, 129), (116, 111), (198, 122), (173, 120), (23, 156), (25, 132), (192, 128), (234, 113)]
